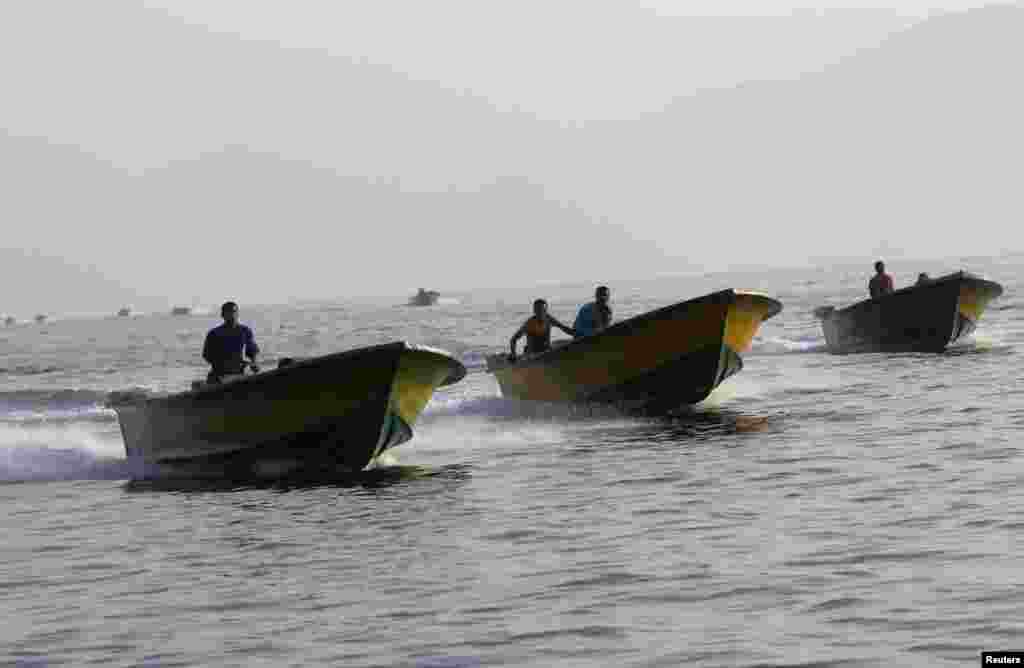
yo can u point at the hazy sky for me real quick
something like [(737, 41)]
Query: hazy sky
[(168, 152)]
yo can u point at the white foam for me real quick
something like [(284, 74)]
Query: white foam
[(58, 453), (777, 345)]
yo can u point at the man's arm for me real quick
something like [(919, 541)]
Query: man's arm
[(581, 321), (252, 351), (515, 338), (568, 330), (207, 348)]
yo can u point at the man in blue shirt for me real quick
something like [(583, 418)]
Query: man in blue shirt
[(225, 345), (596, 315)]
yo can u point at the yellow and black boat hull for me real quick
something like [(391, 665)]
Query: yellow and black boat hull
[(320, 415), (926, 317), (653, 362)]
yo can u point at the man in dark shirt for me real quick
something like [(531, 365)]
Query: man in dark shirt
[(881, 283), (225, 345)]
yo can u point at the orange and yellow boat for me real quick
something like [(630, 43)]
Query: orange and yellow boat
[(653, 362)]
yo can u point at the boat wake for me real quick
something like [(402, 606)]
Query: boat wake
[(59, 453), (777, 345), (59, 434), (496, 408), (979, 343)]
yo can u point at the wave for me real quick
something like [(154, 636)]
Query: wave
[(29, 370), (472, 356), (60, 452), (58, 406), (497, 408), (28, 464), (777, 345), (63, 396)]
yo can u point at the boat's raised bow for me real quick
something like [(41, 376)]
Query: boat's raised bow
[(975, 295), (421, 370), (747, 312)]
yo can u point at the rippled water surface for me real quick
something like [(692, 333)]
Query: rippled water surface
[(818, 510)]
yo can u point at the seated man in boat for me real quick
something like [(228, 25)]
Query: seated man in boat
[(227, 343), (596, 315), (923, 278), (881, 283), (537, 330)]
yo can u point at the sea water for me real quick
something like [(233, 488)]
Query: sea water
[(817, 510)]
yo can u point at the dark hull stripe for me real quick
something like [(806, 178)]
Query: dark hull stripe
[(687, 380)]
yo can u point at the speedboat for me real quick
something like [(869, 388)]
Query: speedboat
[(924, 317), (317, 416), (424, 298), (654, 362)]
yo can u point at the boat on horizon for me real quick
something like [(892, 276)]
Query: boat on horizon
[(925, 317), (124, 312), (319, 416), (181, 310), (654, 362), (40, 318), (424, 298), (10, 320)]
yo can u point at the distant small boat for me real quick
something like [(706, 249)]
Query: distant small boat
[(181, 310), (655, 362), (40, 318), (9, 320), (315, 416), (924, 317), (124, 312), (424, 298)]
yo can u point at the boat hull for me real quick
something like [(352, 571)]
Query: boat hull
[(324, 415), (921, 318), (654, 362)]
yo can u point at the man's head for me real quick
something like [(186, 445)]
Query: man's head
[(602, 294), (879, 267), (540, 308), (229, 311)]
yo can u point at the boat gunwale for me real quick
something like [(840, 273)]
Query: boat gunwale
[(961, 275), (457, 373)]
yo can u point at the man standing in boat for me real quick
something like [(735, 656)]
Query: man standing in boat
[(881, 283), (226, 344), (537, 330), (596, 315)]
